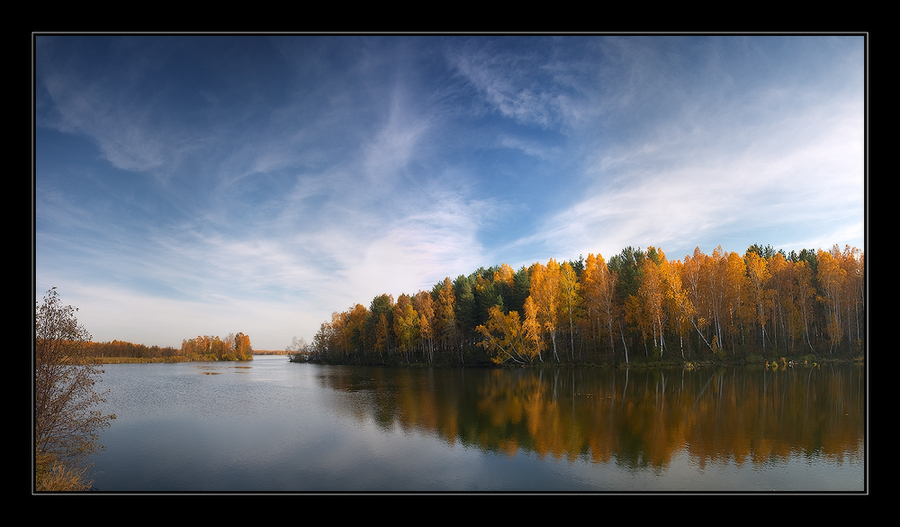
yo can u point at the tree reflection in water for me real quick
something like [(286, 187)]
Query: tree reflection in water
[(640, 419)]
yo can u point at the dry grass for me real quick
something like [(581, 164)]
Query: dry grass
[(53, 476)]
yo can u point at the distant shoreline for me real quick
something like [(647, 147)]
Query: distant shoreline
[(157, 360)]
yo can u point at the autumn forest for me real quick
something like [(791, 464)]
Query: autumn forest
[(638, 306), (201, 348)]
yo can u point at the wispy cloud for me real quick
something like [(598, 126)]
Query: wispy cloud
[(263, 183), (770, 161)]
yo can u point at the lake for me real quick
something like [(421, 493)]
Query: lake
[(273, 426)]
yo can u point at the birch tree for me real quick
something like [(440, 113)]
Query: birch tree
[(831, 277), (758, 274), (424, 305), (545, 295), (569, 299), (651, 292), (507, 339)]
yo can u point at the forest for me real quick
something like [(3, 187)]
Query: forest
[(638, 306), (202, 348)]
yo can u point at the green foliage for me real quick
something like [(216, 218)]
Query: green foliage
[(628, 267), (722, 306)]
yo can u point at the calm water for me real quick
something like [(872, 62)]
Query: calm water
[(273, 426)]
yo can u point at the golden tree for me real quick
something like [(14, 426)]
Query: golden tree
[(424, 305), (601, 307), (242, 347), (832, 278), (545, 292), (728, 285), (505, 274), (677, 301), (406, 324), (381, 335), (356, 329), (855, 291), (652, 294), (592, 281), (758, 279), (445, 315), (570, 300), (506, 338), (785, 315), (696, 283), (533, 344)]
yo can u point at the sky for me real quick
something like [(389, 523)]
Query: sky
[(191, 185)]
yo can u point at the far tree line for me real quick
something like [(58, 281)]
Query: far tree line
[(234, 347), (639, 304), (66, 370)]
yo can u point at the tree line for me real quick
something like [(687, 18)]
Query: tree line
[(638, 305), (67, 367), (201, 348)]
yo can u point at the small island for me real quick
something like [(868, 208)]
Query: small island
[(234, 347)]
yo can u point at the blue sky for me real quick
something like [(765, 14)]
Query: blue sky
[(203, 185)]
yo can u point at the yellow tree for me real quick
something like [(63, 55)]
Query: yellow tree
[(533, 343), (715, 279), (406, 324), (856, 280), (652, 295), (590, 293), (637, 316), (725, 278), (502, 336), (599, 296), (381, 335), (735, 289), (853, 294), (205, 344), (445, 315), (504, 287), (339, 337), (831, 277), (758, 275), (677, 299), (569, 299), (506, 338), (505, 274), (356, 329), (242, 347), (545, 295), (806, 294), (695, 281), (217, 348), (785, 315), (424, 305)]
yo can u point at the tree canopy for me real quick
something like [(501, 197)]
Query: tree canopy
[(637, 304)]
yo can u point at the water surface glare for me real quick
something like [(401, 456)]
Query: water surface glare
[(272, 426)]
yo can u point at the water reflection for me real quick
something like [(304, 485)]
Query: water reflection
[(638, 419)]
